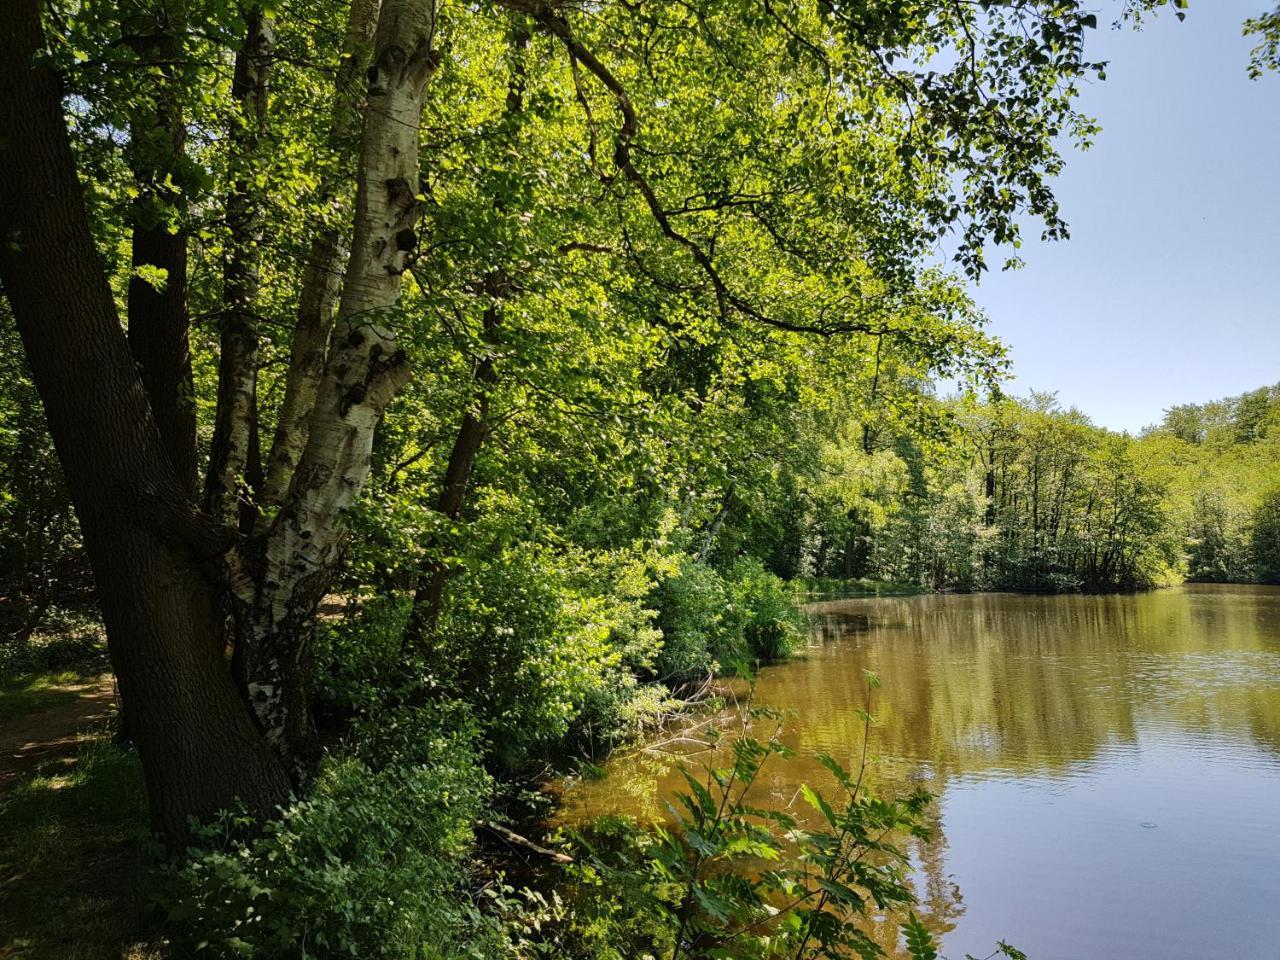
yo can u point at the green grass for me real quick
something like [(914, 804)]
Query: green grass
[(74, 855), (29, 693), (69, 649)]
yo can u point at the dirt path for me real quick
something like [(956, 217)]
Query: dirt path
[(54, 732)]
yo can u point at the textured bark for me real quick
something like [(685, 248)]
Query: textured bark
[(159, 326), (365, 369), (234, 433), (322, 277), (148, 546)]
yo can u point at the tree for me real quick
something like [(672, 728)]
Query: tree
[(151, 550), (742, 174), (1266, 539)]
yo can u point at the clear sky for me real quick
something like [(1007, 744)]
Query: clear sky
[(1169, 289)]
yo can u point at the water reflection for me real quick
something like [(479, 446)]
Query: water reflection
[(1108, 767)]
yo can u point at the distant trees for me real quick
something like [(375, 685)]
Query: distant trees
[(1022, 494), (1265, 539), (891, 483), (1224, 459), (1052, 503)]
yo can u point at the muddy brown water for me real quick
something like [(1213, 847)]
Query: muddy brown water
[(1107, 768)]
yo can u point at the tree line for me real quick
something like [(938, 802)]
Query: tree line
[(1006, 493)]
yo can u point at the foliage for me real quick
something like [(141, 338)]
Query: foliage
[(370, 864), (763, 611), (1223, 459), (729, 877), (714, 622), (64, 640), (40, 551), (691, 606), (1266, 55), (544, 646), (1266, 539)]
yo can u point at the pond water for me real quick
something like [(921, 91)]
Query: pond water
[(1107, 768)]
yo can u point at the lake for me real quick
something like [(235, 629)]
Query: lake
[(1107, 767)]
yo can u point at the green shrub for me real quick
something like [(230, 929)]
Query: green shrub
[(711, 621), (371, 864), (507, 644), (764, 611), (691, 605), (67, 640), (358, 660)]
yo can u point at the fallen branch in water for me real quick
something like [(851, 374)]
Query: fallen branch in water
[(514, 838)]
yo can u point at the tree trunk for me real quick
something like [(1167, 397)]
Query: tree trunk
[(366, 368), (159, 326), (321, 278), (149, 548), (237, 415)]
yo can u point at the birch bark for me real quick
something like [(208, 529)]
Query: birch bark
[(365, 369), (237, 409), (322, 276)]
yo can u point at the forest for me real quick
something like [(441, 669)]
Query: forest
[(410, 400)]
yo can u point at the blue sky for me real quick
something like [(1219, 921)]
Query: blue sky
[(1169, 289)]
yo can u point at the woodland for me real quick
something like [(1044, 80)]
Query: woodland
[(423, 398)]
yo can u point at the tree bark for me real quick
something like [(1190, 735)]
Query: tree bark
[(159, 325), (149, 547), (365, 369), (322, 276), (235, 425)]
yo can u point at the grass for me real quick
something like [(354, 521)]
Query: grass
[(29, 693), (74, 854), (67, 650)]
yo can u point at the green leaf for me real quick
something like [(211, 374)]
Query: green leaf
[(920, 943)]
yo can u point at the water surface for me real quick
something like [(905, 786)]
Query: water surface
[(1107, 768)]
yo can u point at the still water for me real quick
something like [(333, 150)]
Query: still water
[(1107, 768)]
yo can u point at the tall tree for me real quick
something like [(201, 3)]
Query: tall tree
[(152, 552)]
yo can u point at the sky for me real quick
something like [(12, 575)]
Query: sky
[(1169, 289)]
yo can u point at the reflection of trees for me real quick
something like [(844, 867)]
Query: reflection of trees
[(997, 685), (993, 682)]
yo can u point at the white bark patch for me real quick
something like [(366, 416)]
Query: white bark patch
[(365, 368)]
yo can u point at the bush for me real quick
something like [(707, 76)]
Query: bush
[(371, 864), (358, 660), (66, 640), (511, 642), (691, 604), (764, 610), (714, 622)]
